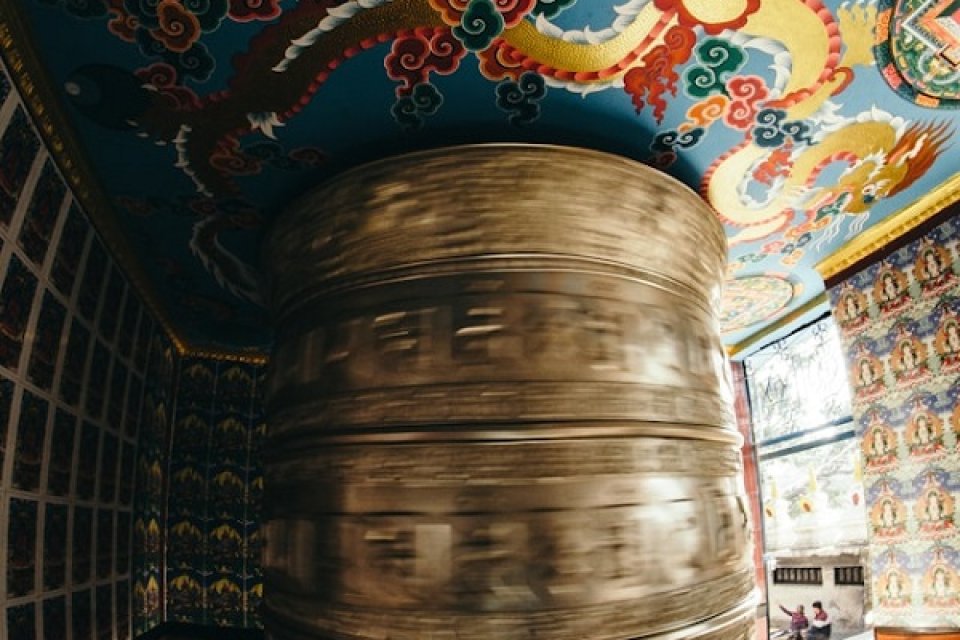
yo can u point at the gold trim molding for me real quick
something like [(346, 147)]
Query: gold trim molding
[(807, 306), (891, 228), (865, 244), (227, 356), (41, 100)]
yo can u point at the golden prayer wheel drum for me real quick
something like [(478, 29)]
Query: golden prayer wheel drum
[(499, 406)]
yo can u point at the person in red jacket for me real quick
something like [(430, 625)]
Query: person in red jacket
[(821, 623), (798, 621)]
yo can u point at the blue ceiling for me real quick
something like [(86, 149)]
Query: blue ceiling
[(802, 123)]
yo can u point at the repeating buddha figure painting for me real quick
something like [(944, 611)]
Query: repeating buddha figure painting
[(879, 445), (946, 342), (933, 269), (146, 596), (890, 290), (941, 584), (924, 435), (934, 508), (908, 358), (904, 363), (894, 586), (851, 313), (868, 374), (888, 517)]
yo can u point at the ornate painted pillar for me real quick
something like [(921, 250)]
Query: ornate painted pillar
[(499, 405)]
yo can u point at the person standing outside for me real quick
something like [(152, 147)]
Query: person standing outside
[(798, 620), (821, 623)]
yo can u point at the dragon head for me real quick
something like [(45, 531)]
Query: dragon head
[(882, 175)]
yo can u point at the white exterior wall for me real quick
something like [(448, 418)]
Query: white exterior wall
[(844, 603)]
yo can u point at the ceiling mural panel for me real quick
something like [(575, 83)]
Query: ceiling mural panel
[(918, 50), (802, 122), (751, 300)]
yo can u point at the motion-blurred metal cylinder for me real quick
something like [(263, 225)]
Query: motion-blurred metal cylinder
[(499, 408)]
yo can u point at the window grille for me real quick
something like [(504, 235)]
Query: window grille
[(798, 575), (848, 575)]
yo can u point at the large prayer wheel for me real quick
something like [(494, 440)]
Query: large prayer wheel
[(499, 407)]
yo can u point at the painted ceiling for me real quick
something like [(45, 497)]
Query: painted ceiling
[(804, 123)]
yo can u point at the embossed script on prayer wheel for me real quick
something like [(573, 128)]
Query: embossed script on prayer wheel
[(499, 408)]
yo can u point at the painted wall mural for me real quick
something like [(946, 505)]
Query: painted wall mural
[(88, 386), (72, 371), (918, 50), (202, 120), (151, 482), (899, 321), (216, 480)]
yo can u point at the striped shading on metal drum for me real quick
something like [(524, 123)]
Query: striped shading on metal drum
[(498, 406)]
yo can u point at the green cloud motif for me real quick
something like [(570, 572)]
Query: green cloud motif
[(550, 8), (425, 100), (717, 59), (479, 25)]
